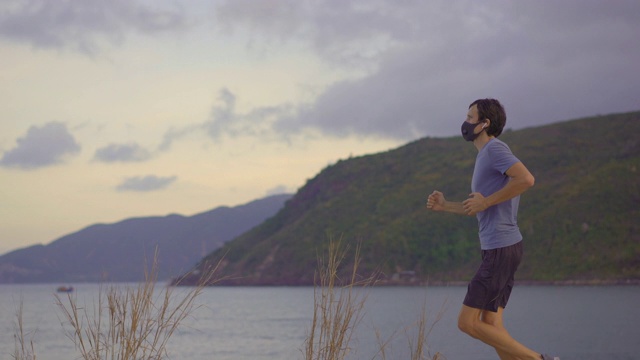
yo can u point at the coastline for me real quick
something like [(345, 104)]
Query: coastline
[(580, 282)]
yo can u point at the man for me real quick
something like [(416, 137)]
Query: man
[(498, 180)]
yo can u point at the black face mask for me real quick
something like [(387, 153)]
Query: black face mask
[(467, 131)]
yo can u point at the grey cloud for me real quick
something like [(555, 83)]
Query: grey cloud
[(223, 121), (146, 183), (130, 152), (174, 134), (340, 31), (41, 146), (223, 117), (81, 24), (546, 61), (226, 121), (366, 24)]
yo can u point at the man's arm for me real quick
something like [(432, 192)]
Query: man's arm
[(520, 179), (437, 202)]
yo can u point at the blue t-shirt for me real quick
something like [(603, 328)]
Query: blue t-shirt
[(498, 225)]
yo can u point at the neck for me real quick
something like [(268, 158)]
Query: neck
[(482, 140)]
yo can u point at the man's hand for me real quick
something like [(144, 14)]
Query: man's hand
[(474, 204), (436, 201)]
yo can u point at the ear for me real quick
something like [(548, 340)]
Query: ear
[(487, 123)]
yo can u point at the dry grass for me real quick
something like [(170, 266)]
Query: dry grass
[(130, 323), (420, 349), (136, 323), (418, 344), (339, 308), (24, 349)]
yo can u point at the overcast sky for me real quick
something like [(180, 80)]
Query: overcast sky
[(125, 108)]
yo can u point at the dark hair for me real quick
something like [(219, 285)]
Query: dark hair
[(491, 109)]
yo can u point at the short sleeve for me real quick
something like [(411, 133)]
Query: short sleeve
[(501, 156)]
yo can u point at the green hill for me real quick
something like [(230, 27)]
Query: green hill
[(580, 220)]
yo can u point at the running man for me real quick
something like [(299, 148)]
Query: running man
[(498, 180)]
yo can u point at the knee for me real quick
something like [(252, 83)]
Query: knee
[(467, 326)]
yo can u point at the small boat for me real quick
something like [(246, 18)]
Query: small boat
[(65, 289)]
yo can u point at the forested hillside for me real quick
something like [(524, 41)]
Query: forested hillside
[(580, 221)]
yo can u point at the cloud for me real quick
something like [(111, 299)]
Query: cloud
[(280, 189), (41, 146), (146, 183), (412, 67), (174, 134), (80, 24), (130, 152), (225, 121), (426, 61), (223, 116), (345, 32)]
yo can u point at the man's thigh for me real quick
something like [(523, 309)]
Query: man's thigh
[(491, 286)]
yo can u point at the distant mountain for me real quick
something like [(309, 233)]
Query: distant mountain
[(117, 252), (580, 221)]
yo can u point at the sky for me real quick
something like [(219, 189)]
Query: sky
[(128, 108)]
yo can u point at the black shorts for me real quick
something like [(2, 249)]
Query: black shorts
[(491, 286)]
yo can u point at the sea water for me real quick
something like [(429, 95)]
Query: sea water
[(273, 323)]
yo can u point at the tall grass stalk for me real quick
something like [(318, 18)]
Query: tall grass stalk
[(338, 307), (129, 323), (420, 349), (23, 349), (418, 344)]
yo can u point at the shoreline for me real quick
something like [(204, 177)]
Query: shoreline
[(591, 282), (384, 283)]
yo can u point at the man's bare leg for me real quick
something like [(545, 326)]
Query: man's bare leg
[(488, 327), (496, 320)]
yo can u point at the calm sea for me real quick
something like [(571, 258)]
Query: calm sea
[(271, 323)]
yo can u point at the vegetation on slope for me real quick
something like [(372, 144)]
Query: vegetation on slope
[(579, 221)]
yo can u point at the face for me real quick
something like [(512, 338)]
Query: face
[(468, 127), (472, 115)]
